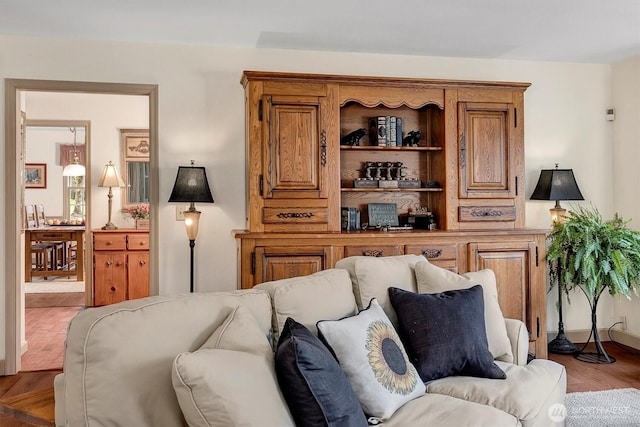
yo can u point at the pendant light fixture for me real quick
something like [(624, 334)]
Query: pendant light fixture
[(74, 168)]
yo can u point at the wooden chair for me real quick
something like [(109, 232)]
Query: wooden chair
[(42, 252), (60, 248)]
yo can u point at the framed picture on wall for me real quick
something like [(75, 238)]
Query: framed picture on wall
[(35, 175)]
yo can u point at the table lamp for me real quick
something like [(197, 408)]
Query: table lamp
[(110, 178), (557, 184), (191, 186)]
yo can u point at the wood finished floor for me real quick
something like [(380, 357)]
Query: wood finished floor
[(26, 399)]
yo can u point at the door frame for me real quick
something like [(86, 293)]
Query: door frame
[(13, 223)]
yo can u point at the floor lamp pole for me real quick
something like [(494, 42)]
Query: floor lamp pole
[(192, 244), (561, 344)]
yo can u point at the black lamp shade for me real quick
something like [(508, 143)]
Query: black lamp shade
[(557, 184), (191, 186)]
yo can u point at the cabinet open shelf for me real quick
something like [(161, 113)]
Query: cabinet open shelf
[(386, 148), (384, 190)]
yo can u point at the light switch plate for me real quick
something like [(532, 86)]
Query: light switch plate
[(180, 213)]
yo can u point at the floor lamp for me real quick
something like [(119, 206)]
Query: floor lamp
[(558, 184), (191, 186)]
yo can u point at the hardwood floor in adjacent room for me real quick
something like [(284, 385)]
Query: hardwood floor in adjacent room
[(26, 399)]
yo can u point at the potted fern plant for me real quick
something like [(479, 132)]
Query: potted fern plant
[(595, 255)]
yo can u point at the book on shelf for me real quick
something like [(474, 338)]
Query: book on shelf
[(392, 131), (350, 219), (385, 131)]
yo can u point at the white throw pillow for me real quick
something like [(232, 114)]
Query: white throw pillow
[(373, 276), (220, 388), (231, 379), (374, 360), (326, 294), (240, 332), (432, 279)]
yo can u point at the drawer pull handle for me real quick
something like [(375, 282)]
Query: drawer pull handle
[(118, 264), (109, 263), (486, 212), (142, 243), (113, 289), (287, 215), (431, 253), (109, 242), (373, 252), (142, 262)]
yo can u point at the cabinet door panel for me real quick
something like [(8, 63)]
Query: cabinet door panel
[(295, 166), (109, 277), (486, 150), (138, 275), (513, 263), (275, 263)]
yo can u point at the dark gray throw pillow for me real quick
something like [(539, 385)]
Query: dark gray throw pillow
[(445, 333), (312, 382)]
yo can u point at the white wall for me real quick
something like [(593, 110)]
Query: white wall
[(201, 117), (626, 176)]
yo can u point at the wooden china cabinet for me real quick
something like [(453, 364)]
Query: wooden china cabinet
[(467, 170)]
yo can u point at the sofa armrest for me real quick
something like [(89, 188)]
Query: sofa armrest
[(58, 392), (519, 338)]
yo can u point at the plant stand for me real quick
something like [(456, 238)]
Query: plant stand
[(600, 355)]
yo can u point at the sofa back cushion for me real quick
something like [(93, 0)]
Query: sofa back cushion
[(325, 295), (121, 356), (371, 277)]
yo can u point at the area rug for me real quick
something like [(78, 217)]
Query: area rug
[(54, 286), (609, 408)]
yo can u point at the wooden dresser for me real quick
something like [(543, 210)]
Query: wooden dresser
[(467, 170), (120, 265)]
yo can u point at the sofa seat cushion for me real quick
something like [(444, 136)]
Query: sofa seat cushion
[(446, 411), (374, 360), (315, 387), (445, 333), (323, 295), (219, 388), (526, 393), (371, 277), (433, 279)]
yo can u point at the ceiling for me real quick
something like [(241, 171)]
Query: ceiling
[(597, 31)]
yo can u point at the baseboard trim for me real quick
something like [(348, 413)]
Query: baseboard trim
[(582, 335), (623, 337), (24, 348)]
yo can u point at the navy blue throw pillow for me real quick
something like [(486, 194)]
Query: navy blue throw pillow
[(445, 333), (312, 382)]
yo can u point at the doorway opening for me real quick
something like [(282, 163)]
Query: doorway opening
[(14, 161)]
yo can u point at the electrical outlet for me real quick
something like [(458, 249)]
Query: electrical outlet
[(623, 322), (180, 213)]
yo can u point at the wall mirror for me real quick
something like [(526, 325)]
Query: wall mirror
[(135, 150)]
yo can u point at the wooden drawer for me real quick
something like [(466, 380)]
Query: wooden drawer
[(368, 250), (486, 213), (138, 242), (294, 216), (109, 241), (434, 252)]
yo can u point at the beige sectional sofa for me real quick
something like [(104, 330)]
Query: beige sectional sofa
[(119, 359)]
